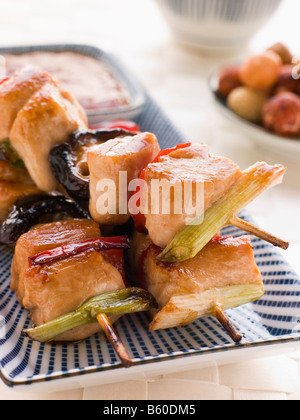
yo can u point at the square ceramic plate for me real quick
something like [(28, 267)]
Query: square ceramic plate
[(267, 325), (136, 91)]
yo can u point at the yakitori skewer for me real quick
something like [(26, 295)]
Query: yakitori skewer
[(102, 308), (99, 308), (256, 231), (192, 239), (114, 340), (227, 324), (223, 276)]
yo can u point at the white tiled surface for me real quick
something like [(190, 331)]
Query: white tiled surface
[(275, 378), (176, 78)]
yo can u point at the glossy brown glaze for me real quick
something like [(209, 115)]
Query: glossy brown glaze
[(10, 192), (15, 92), (45, 237), (61, 286), (15, 183), (11, 173), (129, 155), (191, 166), (47, 119), (223, 262)]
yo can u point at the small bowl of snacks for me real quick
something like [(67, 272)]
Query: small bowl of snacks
[(262, 97)]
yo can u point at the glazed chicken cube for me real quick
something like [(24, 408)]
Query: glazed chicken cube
[(107, 161), (201, 180), (224, 272), (12, 173), (15, 183), (15, 92), (10, 192), (60, 287), (46, 237), (47, 119)]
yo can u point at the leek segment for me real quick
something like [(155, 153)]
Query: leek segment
[(184, 309), (116, 303), (188, 242)]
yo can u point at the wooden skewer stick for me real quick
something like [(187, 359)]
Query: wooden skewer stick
[(227, 324), (114, 340), (256, 231)]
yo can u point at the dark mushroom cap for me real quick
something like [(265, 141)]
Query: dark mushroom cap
[(30, 211), (64, 159)]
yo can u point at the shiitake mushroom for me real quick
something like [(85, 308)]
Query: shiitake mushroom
[(32, 210), (69, 163)]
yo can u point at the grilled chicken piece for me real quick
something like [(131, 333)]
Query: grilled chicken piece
[(60, 287), (209, 178), (15, 92), (12, 173), (224, 273), (15, 183), (10, 192), (106, 161), (47, 119), (43, 238)]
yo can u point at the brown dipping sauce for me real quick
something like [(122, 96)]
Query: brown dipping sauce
[(87, 78)]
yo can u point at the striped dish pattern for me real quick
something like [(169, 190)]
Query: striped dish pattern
[(222, 10), (274, 317)]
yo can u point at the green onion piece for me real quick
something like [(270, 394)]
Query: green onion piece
[(116, 303), (10, 155), (188, 242)]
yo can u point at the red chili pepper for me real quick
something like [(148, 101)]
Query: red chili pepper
[(122, 124), (220, 239), (66, 251), (116, 258), (4, 80), (167, 152), (140, 219), (140, 222)]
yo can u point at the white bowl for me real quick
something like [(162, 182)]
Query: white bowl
[(284, 147), (216, 24)]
